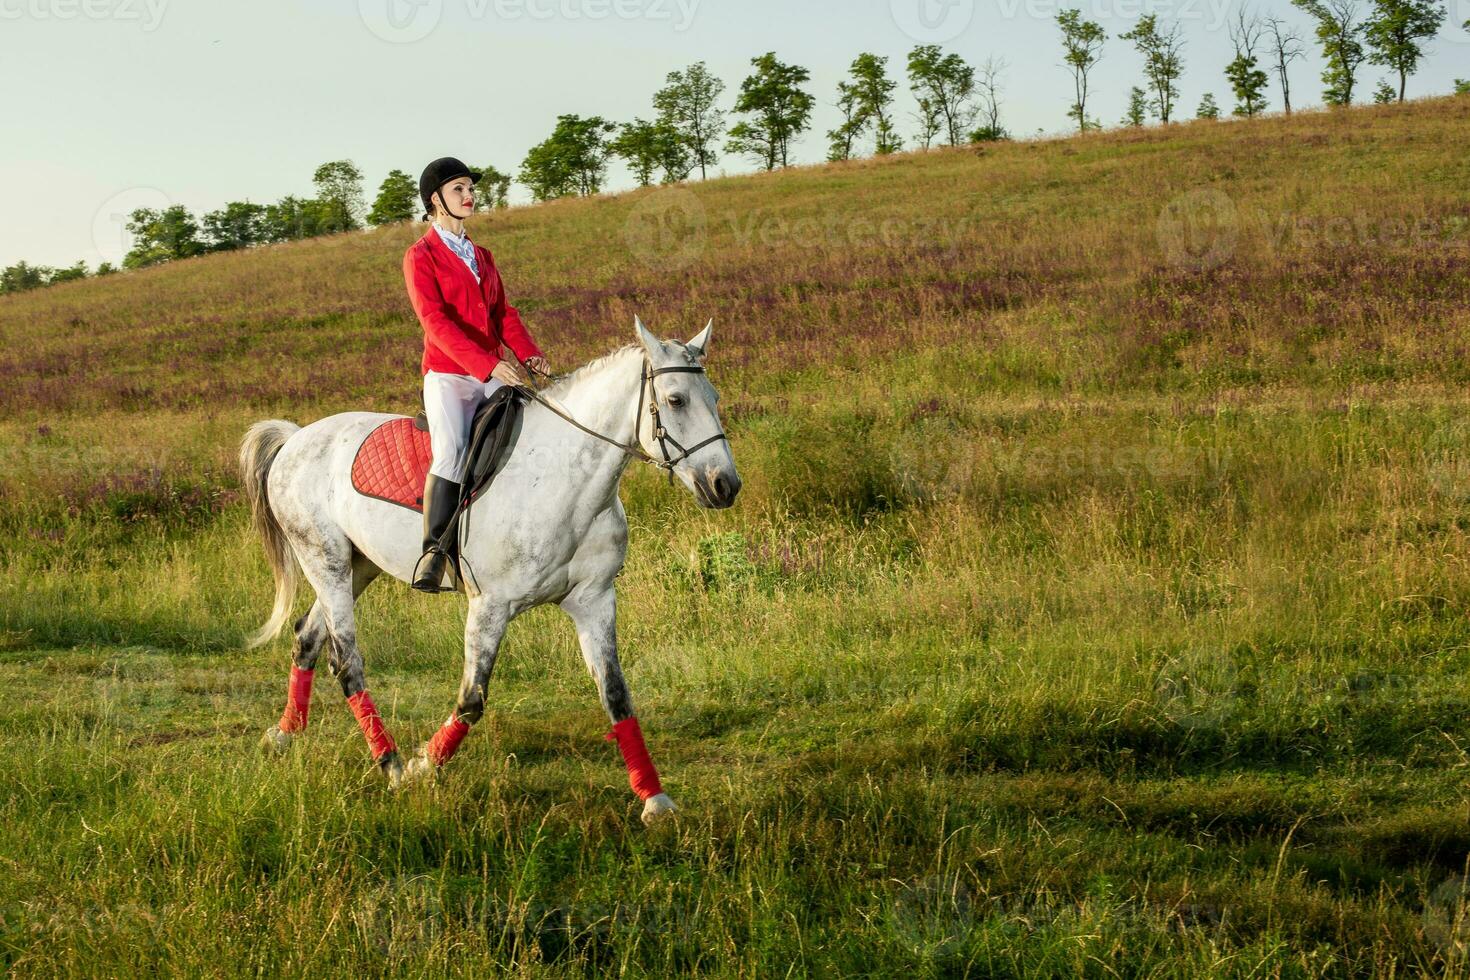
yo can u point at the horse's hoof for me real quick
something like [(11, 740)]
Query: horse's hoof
[(658, 809), (275, 741), (416, 770), (391, 766)]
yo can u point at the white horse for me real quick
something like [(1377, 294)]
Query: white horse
[(550, 528)]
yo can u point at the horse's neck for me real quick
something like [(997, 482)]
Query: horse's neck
[(605, 401)]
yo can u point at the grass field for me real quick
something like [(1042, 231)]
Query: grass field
[(1095, 605)]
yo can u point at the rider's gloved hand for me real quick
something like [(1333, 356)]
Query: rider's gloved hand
[(509, 372)]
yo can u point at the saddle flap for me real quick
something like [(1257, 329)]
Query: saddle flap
[(394, 459), (490, 433)]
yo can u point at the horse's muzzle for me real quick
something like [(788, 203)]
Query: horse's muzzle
[(716, 491)]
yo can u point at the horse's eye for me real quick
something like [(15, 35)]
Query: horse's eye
[(676, 401)]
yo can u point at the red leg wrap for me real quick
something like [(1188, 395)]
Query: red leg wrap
[(641, 774), (298, 700), (446, 740), (380, 743)]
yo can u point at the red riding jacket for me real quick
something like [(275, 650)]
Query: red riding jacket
[(464, 322)]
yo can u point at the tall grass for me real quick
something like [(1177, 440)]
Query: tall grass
[(1090, 609)]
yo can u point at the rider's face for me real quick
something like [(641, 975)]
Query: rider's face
[(459, 195)]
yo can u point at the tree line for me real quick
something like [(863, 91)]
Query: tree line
[(954, 103), (1391, 34)]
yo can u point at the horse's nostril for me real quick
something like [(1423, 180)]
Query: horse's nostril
[(722, 488)]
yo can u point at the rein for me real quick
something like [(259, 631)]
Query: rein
[(645, 387)]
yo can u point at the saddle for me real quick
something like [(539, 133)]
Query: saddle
[(394, 459)]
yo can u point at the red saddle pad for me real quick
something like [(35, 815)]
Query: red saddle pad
[(392, 462)]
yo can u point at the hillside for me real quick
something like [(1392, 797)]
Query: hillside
[(1096, 603), (1010, 242)]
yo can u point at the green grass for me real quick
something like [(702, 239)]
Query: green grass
[(1049, 636)]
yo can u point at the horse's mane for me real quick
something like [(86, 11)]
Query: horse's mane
[(559, 384)]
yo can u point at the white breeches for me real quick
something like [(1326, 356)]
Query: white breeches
[(450, 401)]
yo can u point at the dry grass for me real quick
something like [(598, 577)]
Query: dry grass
[(1095, 604)]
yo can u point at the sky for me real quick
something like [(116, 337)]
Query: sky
[(113, 105)]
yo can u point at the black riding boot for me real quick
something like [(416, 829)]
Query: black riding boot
[(441, 498)]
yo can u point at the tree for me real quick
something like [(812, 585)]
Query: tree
[(875, 101), (1137, 111), (929, 120), (291, 218), (1383, 94), (492, 190), (650, 147), (1462, 85), (947, 84), (987, 93), (840, 141), (161, 236), (778, 111), (1162, 63), (1247, 81), (1286, 47), (637, 144), (1082, 42), (687, 104), (1395, 32), (865, 101), (339, 191), (397, 200), (69, 274), (1208, 108), (573, 160), (239, 224), (1338, 31), (21, 276)]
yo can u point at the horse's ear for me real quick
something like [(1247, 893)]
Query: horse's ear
[(649, 341), (699, 346)]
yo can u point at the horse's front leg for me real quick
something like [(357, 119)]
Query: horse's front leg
[(484, 628), (594, 611)]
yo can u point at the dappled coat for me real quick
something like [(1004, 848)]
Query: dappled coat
[(464, 322)]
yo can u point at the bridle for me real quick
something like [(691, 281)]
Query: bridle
[(645, 392)]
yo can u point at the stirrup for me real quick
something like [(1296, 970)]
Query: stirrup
[(433, 554)]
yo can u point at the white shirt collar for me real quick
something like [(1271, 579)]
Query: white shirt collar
[(450, 236)]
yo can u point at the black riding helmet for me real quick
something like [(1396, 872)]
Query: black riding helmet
[(436, 175)]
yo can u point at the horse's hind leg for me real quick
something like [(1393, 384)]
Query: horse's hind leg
[(311, 636), (484, 628)]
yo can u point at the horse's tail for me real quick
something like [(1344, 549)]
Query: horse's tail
[(257, 452)]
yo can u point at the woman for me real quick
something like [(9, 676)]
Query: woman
[(460, 301)]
